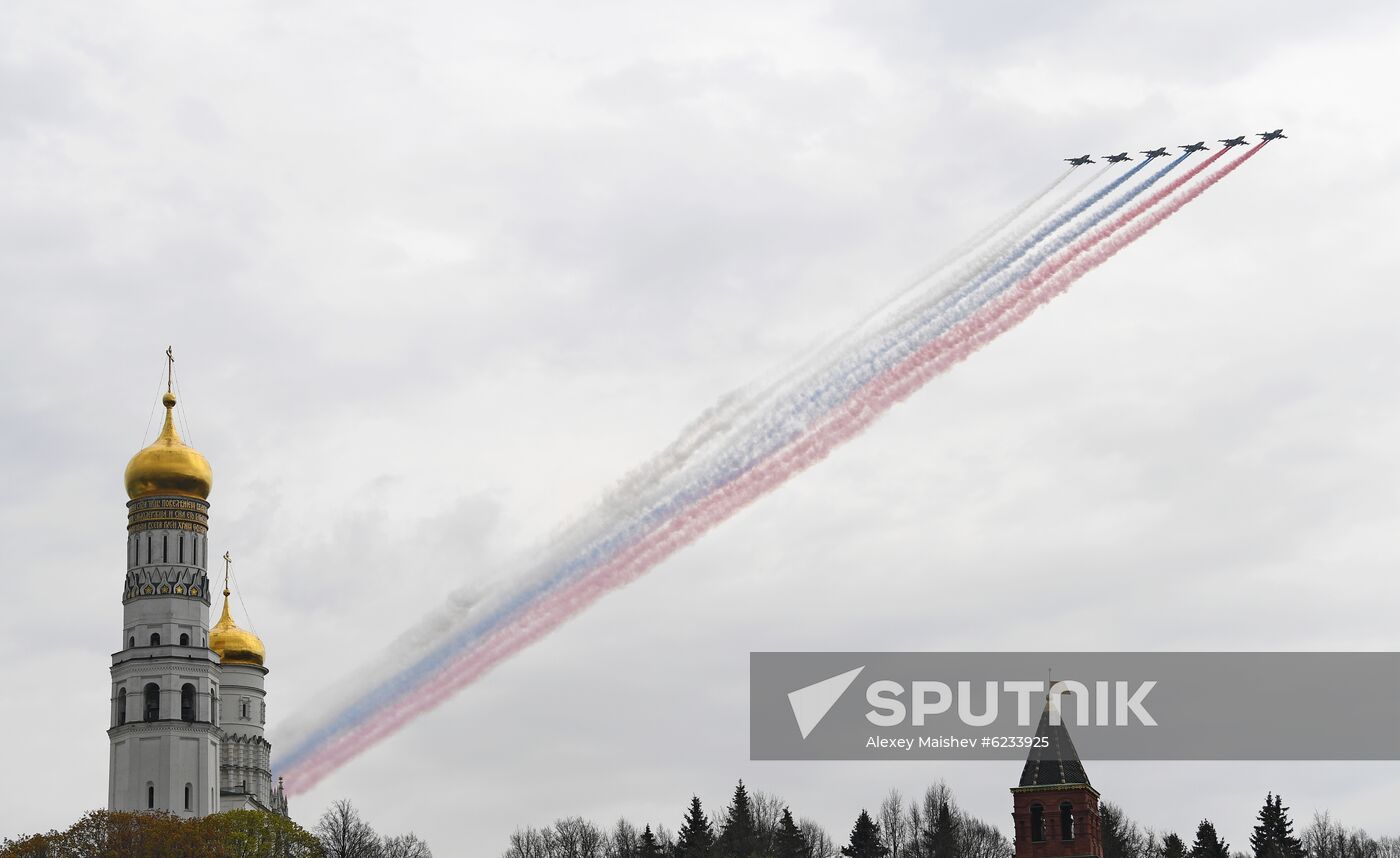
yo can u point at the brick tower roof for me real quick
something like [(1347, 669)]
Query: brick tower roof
[(1057, 763)]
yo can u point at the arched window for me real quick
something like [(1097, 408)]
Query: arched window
[(187, 702), (245, 709), (184, 639), (1037, 823), (155, 640), (152, 695), (150, 796), (121, 706), (1066, 821), (189, 793), (131, 642)]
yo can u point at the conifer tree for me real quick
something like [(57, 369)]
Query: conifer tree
[(1273, 836), (1121, 836), (865, 839), (696, 838), (789, 842), (1173, 847), (943, 842), (1208, 844), (647, 847), (738, 838)]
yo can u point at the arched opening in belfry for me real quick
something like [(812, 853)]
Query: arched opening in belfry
[(152, 707), (187, 702), (1066, 821)]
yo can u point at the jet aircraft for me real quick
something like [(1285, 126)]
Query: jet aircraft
[(1114, 159), (1155, 153), (1080, 161), (1194, 147), (1234, 141), (1274, 135)]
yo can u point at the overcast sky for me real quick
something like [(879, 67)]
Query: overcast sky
[(437, 274)]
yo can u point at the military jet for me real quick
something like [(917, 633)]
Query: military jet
[(1080, 161), (1274, 135), (1155, 153), (1194, 147), (1114, 159), (1234, 141)]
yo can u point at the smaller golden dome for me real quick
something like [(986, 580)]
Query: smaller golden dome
[(169, 466), (234, 645)]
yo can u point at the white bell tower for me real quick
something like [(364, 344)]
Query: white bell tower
[(164, 731)]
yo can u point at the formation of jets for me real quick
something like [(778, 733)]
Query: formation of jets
[(1199, 146)]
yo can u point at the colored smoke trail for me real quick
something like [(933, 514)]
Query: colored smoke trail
[(730, 464), (405, 683), (857, 412)]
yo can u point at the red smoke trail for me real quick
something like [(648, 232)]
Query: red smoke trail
[(849, 420)]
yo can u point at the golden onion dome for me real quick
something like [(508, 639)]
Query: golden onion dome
[(169, 466), (234, 645)]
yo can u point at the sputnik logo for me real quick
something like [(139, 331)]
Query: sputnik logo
[(810, 704)]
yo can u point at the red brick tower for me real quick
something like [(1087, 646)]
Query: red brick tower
[(1054, 809)]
